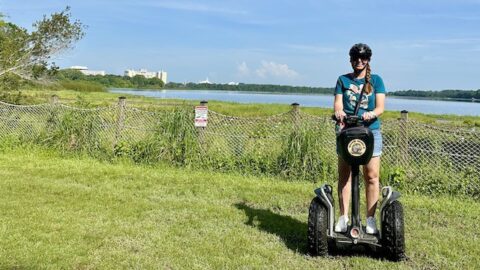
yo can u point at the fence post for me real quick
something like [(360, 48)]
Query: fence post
[(403, 139), (54, 100), (120, 119), (53, 118), (296, 114)]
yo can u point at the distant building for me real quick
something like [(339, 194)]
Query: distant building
[(86, 71), (206, 81), (162, 75), (232, 83)]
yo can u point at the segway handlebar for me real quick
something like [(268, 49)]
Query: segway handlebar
[(350, 120)]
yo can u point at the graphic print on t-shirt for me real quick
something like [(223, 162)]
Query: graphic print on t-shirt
[(354, 89)]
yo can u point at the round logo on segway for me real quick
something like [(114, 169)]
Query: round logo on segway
[(356, 147)]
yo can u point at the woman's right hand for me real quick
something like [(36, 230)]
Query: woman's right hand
[(340, 115)]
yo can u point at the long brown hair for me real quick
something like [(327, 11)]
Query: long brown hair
[(368, 77)]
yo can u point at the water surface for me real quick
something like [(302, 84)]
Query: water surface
[(310, 100)]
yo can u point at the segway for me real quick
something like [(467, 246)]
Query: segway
[(355, 143)]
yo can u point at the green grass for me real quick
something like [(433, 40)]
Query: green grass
[(77, 212)]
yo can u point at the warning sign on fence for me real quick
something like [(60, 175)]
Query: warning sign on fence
[(201, 116)]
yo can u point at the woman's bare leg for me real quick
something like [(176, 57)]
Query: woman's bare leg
[(344, 186), (371, 173)]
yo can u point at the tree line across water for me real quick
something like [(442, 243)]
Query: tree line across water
[(455, 94), (140, 82)]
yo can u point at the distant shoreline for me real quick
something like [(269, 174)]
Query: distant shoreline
[(390, 95), (474, 100), (75, 78)]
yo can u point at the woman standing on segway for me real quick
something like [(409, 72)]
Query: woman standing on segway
[(347, 92)]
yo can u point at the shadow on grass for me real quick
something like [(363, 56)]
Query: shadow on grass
[(294, 233), (291, 231)]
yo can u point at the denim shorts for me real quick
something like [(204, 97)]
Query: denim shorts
[(377, 143)]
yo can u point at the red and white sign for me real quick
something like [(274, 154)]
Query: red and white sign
[(201, 116)]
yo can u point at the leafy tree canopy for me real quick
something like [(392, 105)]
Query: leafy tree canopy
[(28, 54)]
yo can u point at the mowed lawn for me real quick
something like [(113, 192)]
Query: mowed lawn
[(77, 212)]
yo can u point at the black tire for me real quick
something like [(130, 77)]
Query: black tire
[(393, 236), (317, 228)]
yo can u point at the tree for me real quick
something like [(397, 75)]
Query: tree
[(28, 55)]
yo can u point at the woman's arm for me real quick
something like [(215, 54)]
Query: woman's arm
[(338, 107), (379, 104), (379, 108)]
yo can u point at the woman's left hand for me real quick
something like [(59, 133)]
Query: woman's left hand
[(367, 116)]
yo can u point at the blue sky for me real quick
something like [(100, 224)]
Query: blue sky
[(417, 44)]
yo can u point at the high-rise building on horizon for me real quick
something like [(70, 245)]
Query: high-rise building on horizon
[(162, 75), (86, 71)]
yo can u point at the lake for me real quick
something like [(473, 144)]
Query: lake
[(310, 100)]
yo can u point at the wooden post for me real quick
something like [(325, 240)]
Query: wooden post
[(120, 119), (53, 117), (403, 157), (296, 114), (54, 100)]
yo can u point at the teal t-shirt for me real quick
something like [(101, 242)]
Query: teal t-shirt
[(350, 88)]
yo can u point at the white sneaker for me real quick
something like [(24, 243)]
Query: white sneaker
[(371, 225), (342, 224)]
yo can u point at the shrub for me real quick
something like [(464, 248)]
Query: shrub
[(82, 86)]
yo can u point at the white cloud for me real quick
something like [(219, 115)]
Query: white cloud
[(275, 70), (243, 69)]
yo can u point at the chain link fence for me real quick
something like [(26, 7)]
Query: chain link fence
[(417, 157)]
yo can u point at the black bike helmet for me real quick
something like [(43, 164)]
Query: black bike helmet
[(360, 50)]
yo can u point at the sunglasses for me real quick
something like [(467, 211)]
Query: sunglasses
[(355, 59)]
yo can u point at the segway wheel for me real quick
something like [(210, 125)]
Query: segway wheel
[(317, 228), (393, 237)]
